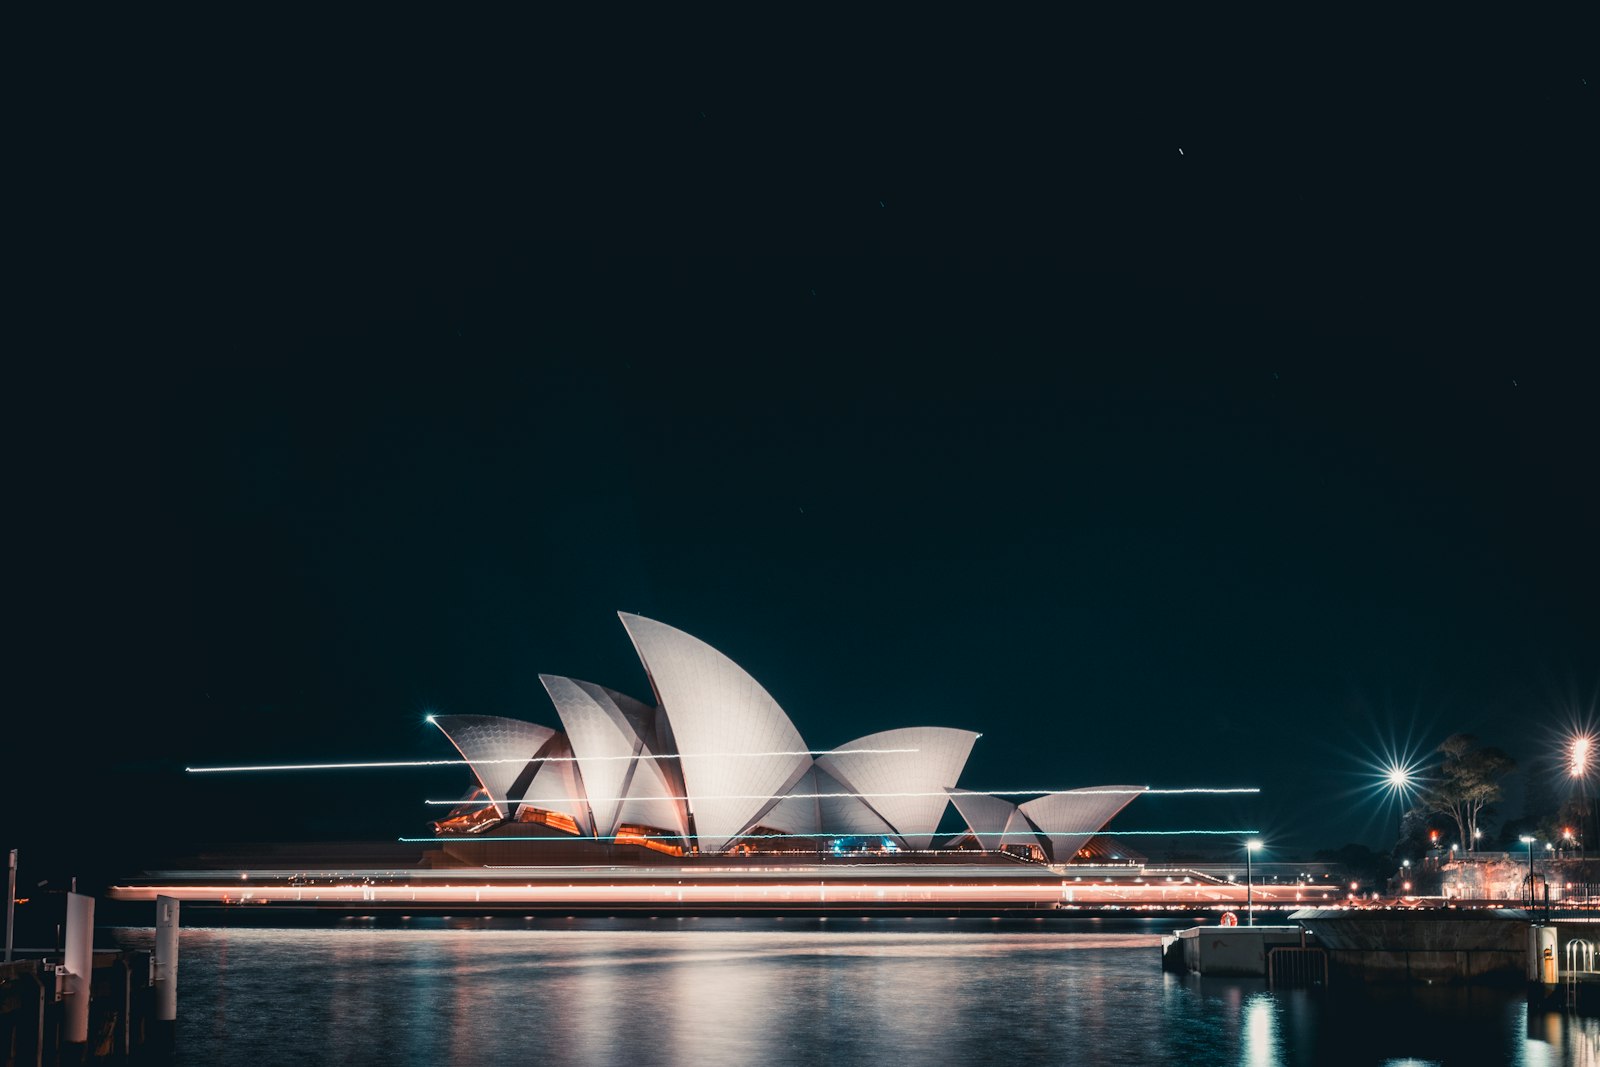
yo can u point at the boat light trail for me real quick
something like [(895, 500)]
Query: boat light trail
[(522, 760), (929, 793)]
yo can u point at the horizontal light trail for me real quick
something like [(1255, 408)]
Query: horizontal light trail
[(775, 893), (928, 793), (520, 760), (790, 837)]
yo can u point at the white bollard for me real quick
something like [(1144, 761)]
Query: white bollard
[(78, 961), (1549, 971), (165, 963)]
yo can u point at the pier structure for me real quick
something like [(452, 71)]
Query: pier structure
[(77, 1004)]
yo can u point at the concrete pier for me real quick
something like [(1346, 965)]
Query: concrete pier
[(1228, 951)]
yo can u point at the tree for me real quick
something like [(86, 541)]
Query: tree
[(1469, 780)]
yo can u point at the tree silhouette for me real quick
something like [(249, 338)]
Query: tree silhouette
[(1469, 780)]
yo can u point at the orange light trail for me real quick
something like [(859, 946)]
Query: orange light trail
[(778, 894)]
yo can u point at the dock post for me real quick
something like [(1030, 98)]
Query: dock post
[(78, 964), (38, 1023), (11, 903), (164, 971), (1548, 971)]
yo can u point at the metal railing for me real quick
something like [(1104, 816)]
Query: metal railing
[(1292, 965)]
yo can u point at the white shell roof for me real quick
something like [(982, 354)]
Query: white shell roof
[(1019, 831), (816, 805), (843, 814), (556, 786), (987, 817), (606, 731), (1069, 819), (652, 799), (798, 812), (496, 748), (907, 789), (738, 749)]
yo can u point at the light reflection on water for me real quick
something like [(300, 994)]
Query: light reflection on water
[(711, 992)]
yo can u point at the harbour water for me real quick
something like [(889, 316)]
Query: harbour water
[(714, 991)]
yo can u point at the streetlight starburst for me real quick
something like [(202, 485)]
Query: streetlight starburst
[(1399, 778), (1580, 755)]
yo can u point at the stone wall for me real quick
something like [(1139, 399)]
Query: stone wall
[(1569, 881)]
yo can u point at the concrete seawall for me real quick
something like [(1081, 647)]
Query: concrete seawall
[(1435, 947), (1428, 947)]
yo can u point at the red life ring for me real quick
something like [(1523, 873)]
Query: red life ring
[(1230, 919)]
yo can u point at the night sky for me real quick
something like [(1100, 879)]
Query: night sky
[(372, 378)]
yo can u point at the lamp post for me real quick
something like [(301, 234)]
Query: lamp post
[(1527, 839), (1249, 882), (11, 901)]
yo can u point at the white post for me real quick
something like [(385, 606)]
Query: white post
[(165, 964), (11, 904), (1249, 888), (78, 960)]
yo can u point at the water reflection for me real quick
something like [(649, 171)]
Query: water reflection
[(712, 992), (1261, 1045)]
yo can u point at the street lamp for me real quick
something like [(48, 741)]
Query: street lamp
[(1527, 839), (1477, 839), (1249, 882)]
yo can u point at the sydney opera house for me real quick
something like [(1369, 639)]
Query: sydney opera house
[(713, 766), (705, 798)]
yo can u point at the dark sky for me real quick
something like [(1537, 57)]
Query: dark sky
[(368, 377)]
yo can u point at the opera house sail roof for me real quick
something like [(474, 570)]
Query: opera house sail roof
[(715, 763)]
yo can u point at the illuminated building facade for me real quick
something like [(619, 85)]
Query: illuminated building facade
[(716, 766)]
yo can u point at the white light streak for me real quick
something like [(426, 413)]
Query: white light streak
[(929, 793), (766, 837), (541, 759)]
